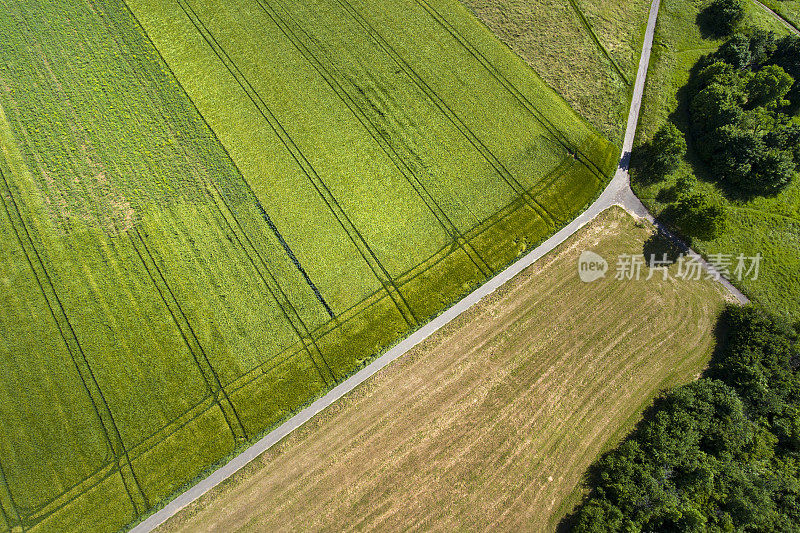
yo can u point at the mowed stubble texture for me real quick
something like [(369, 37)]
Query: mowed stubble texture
[(213, 212), (491, 422)]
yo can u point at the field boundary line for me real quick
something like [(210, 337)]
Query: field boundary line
[(373, 130), (108, 425), (557, 134), (339, 213), (8, 508), (241, 460), (445, 109), (593, 35), (207, 371), (617, 192), (790, 25)]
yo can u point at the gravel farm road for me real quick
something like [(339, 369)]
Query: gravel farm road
[(618, 192)]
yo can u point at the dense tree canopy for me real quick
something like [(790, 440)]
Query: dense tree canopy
[(695, 215), (721, 17), (661, 156), (720, 454), (740, 107)]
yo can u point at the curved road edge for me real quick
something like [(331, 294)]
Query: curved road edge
[(791, 27), (618, 192)]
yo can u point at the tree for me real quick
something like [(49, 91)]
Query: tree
[(768, 87), (661, 156), (787, 56), (719, 454), (669, 147), (735, 51), (695, 215), (763, 44), (716, 105), (773, 171), (747, 50), (721, 17), (785, 135), (715, 72), (733, 152)]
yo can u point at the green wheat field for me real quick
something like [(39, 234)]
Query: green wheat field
[(213, 212)]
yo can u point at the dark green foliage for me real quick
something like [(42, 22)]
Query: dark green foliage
[(695, 215), (787, 56), (738, 104), (717, 105), (763, 45), (736, 51), (662, 155), (719, 454), (721, 17), (760, 359), (768, 86), (747, 49)]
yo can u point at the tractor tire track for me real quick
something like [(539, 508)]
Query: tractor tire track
[(108, 425), (440, 104), (207, 371), (332, 78), (8, 508), (593, 35), (116, 29), (288, 310), (521, 98), (347, 225)]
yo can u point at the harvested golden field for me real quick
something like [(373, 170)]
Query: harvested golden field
[(493, 420)]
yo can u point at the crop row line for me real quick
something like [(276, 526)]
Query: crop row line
[(593, 35), (404, 278), (119, 29), (519, 96), (88, 483), (355, 236), (272, 285), (447, 111), (293, 258), (8, 508), (288, 310), (90, 383), (334, 78), (69, 495), (207, 371)]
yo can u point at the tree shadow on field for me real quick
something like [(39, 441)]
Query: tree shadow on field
[(660, 247), (591, 479), (708, 21)]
